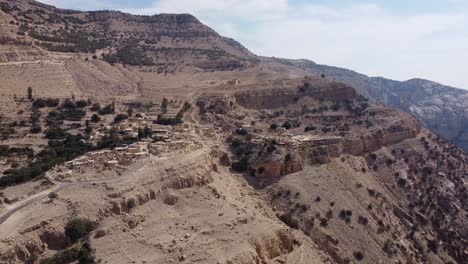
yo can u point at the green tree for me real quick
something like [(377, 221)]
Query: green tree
[(164, 105), (78, 228), (52, 196), (120, 117), (30, 93), (130, 111)]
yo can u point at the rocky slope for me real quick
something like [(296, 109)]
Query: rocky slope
[(334, 171), (264, 165), (440, 108), (169, 44)]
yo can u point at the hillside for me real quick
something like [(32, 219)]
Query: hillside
[(152, 139), (440, 108), (179, 44)]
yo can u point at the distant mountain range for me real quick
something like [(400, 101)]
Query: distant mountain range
[(442, 109)]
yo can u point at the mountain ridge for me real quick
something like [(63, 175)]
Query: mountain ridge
[(430, 101)]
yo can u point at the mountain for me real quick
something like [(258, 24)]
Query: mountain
[(153, 139), (164, 40), (180, 43), (440, 108)]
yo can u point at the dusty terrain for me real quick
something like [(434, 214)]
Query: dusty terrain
[(200, 152)]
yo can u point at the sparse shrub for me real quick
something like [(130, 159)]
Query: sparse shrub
[(241, 131), (402, 182), (120, 117), (329, 214), (36, 129), (287, 125), (52, 196), (130, 111), (309, 128), (363, 220), (107, 110), (95, 118), (164, 105), (30, 93), (358, 255), (323, 222), (95, 107), (78, 228), (273, 126), (55, 133), (81, 103), (72, 114), (84, 255), (345, 215), (241, 165), (68, 104), (433, 246), (48, 102)]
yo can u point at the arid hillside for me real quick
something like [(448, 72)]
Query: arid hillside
[(168, 44), (152, 139)]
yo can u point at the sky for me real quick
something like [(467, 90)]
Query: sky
[(397, 39)]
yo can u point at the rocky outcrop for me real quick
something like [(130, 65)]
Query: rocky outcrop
[(279, 97), (284, 161), (216, 104), (126, 204), (374, 141), (274, 245)]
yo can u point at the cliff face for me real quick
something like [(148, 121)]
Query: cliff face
[(281, 97)]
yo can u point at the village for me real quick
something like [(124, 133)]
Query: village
[(146, 138)]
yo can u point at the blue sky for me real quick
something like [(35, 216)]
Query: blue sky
[(398, 39)]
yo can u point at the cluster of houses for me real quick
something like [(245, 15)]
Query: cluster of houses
[(163, 140), (106, 159)]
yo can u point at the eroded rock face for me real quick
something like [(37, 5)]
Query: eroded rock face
[(280, 97), (283, 161), (23, 250), (216, 105), (276, 164), (372, 142), (275, 245)]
